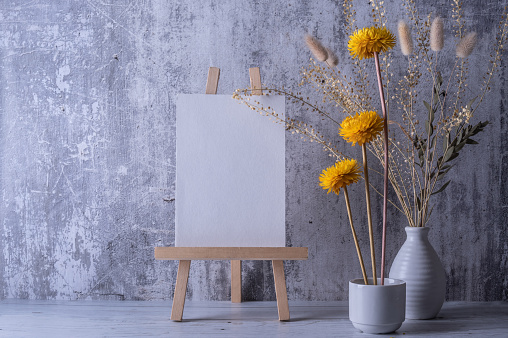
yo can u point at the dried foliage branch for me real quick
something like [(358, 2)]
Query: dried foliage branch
[(334, 86)]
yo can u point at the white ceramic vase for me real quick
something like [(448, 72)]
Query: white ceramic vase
[(418, 264), (377, 308)]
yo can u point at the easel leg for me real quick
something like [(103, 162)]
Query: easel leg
[(280, 289), (236, 281), (180, 289)]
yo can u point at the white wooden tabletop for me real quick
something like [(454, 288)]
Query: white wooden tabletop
[(25, 318)]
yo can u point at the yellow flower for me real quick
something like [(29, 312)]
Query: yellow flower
[(364, 42), (340, 175), (361, 128)]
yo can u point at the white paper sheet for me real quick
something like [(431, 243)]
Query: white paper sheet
[(230, 180)]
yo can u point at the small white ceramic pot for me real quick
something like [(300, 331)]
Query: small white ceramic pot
[(377, 308)]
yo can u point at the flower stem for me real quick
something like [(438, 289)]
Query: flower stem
[(385, 193), (354, 237), (369, 216)]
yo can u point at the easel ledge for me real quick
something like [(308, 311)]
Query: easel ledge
[(231, 253)]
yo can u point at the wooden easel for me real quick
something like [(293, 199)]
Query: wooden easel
[(235, 254)]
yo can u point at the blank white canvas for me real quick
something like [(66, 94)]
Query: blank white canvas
[(230, 179)]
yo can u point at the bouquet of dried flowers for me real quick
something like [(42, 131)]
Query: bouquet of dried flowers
[(427, 134)]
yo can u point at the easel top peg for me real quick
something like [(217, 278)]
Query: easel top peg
[(213, 80), (255, 81)]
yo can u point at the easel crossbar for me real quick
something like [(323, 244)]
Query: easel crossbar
[(231, 253)]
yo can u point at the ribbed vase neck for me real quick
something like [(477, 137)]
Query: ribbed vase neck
[(417, 233)]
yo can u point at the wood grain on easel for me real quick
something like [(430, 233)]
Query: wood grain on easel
[(182, 278), (213, 80), (255, 81), (236, 281), (280, 289)]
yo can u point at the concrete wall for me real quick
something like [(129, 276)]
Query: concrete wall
[(87, 140)]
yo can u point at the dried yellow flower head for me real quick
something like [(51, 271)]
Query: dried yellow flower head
[(340, 175), (369, 40), (406, 42), (436, 35), (361, 128), (466, 45)]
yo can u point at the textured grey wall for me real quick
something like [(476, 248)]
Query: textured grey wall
[(88, 150)]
